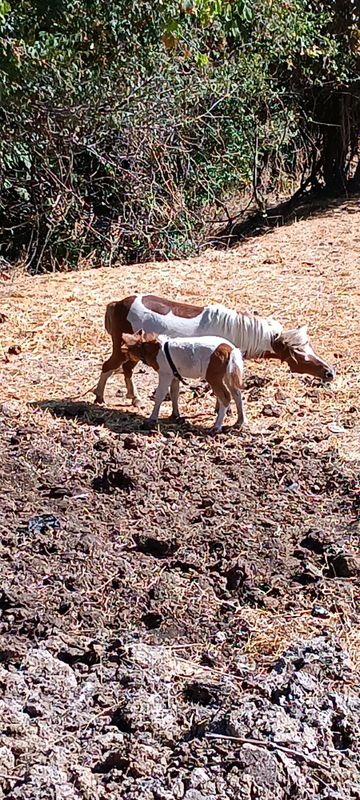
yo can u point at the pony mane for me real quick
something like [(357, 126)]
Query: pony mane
[(256, 333), (295, 338)]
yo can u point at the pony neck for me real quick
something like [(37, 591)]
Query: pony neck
[(255, 334)]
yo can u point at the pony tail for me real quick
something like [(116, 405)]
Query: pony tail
[(109, 317), (235, 369)]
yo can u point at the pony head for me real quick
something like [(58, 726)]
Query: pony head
[(293, 346)]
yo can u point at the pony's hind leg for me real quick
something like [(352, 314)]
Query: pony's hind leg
[(110, 366), (128, 367), (241, 419)]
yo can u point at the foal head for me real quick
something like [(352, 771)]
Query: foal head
[(141, 346), (293, 346)]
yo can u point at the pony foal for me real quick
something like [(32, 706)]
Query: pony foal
[(209, 357)]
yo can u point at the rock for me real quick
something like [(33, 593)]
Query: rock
[(199, 777), (10, 409), (85, 782), (319, 611), (343, 566), (7, 763), (57, 678), (271, 411), (44, 782)]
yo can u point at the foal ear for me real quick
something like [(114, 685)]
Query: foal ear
[(129, 340), (150, 337)]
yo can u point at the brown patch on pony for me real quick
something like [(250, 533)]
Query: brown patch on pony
[(216, 370), (116, 323), (160, 306)]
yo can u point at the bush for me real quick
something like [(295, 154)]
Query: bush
[(122, 124)]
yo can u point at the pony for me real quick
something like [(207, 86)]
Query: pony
[(213, 358), (255, 336)]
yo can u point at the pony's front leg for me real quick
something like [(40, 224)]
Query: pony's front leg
[(160, 394), (224, 398)]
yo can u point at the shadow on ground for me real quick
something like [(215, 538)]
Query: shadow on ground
[(122, 421)]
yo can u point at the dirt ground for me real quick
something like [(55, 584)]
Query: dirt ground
[(179, 614)]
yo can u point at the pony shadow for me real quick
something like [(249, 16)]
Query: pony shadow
[(116, 420)]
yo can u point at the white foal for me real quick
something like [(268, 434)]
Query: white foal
[(213, 358)]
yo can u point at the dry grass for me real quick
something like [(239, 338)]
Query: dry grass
[(308, 271)]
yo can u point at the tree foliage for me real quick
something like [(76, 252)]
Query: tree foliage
[(122, 123)]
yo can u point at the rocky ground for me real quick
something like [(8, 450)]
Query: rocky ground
[(138, 617)]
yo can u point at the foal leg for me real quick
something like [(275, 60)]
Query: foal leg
[(223, 397), (217, 406), (241, 419), (174, 394), (160, 394)]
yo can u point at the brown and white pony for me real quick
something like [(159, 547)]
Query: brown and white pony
[(255, 336), (213, 358)]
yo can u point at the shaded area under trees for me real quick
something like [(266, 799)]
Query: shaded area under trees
[(125, 127)]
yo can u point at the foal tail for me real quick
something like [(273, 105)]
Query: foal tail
[(234, 370)]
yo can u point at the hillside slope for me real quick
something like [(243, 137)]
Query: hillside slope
[(182, 589)]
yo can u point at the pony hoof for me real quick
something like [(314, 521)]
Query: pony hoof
[(148, 425), (215, 431), (135, 402), (176, 418), (99, 401)]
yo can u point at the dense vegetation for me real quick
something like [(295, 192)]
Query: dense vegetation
[(126, 126)]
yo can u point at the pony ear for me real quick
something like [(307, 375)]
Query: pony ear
[(303, 328)]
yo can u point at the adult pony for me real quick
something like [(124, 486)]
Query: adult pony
[(256, 337)]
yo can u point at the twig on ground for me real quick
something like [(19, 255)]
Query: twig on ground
[(271, 746)]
